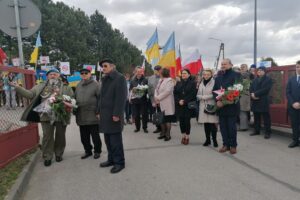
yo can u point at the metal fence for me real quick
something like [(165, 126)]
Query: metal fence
[(12, 105)]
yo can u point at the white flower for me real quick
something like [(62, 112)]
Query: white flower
[(66, 98)]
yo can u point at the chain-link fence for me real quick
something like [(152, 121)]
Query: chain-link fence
[(12, 105)]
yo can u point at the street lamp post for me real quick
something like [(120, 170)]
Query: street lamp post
[(255, 32)]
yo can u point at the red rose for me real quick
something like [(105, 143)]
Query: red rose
[(236, 93)]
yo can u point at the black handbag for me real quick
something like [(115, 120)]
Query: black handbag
[(210, 109), (192, 105), (158, 118)]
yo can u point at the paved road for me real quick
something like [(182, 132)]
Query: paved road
[(158, 170)]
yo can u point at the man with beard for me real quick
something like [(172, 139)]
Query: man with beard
[(54, 139)]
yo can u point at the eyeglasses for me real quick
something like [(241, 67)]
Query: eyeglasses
[(104, 66), (84, 73)]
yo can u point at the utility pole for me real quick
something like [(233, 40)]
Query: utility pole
[(221, 51), (255, 32)]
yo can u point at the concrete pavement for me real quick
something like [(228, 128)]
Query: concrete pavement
[(158, 170)]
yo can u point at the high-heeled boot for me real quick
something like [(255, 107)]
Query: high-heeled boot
[(214, 138), (207, 141)]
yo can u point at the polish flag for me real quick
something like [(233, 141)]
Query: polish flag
[(3, 57), (193, 63), (178, 61)]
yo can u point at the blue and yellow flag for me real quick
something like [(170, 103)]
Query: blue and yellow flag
[(35, 53), (152, 51), (168, 58)]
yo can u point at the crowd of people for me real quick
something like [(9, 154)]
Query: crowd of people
[(8, 96), (124, 99)]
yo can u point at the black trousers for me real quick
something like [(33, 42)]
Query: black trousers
[(127, 110), (228, 130), (140, 109), (185, 124), (88, 131), (295, 120), (267, 121), (114, 145)]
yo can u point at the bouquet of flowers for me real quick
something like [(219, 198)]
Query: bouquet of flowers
[(57, 107), (139, 91), (232, 94)]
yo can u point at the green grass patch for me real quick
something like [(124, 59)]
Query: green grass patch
[(10, 173)]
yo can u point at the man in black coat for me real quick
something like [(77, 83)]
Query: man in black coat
[(293, 96), (259, 90), (139, 104), (228, 114), (111, 103)]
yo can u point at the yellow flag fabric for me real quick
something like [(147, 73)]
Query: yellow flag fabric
[(34, 55), (168, 59)]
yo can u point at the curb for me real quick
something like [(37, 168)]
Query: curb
[(20, 185)]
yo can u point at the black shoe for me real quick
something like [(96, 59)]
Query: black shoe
[(136, 130), (58, 158), (116, 169), (243, 130), (47, 163), (253, 134), (215, 142), (206, 143), (267, 136), (106, 164), (86, 155), (161, 137), (293, 144), (96, 155), (146, 131), (157, 131), (167, 138)]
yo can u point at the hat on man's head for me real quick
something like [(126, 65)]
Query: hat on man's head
[(106, 60), (253, 66), (157, 67), (263, 68), (53, 70), (87, 69)]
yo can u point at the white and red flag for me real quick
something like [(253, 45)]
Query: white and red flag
[(193, 63)]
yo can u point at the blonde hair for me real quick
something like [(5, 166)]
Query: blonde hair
[(211, 71)]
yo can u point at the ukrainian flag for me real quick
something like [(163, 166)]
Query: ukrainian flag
[(168, 58), (35, 53), (152, 51)]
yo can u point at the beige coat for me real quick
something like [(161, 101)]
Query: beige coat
[(205, 95), (164, 93)]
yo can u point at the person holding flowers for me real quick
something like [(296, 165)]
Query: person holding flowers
[(138, 98), (226, 92), (51, 105)]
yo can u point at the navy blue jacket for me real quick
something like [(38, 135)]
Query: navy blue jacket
[(292, 91), (261, 87), (225, 80)]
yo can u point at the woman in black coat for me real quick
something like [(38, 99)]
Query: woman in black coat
[(184, 93)]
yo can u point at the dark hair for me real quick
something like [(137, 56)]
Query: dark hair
[(165, 72), (298, 62), (188, 71)]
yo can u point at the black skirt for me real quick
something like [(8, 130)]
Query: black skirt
[(170, 118)]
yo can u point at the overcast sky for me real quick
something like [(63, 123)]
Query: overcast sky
[(195, 21)]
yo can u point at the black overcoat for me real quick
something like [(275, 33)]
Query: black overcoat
[(187, 91), (261, 87), (111, 102), (225, 80)]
